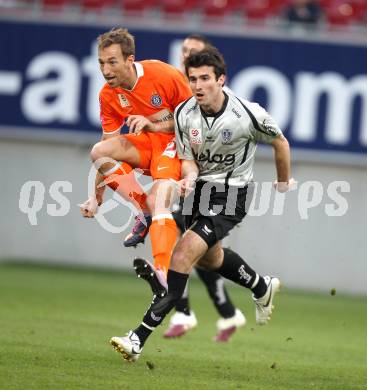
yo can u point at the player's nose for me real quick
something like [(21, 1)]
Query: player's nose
[(106, 71)]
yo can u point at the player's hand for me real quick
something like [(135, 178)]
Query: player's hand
[(284, 186), (137, 123), (185, 186), (90, 207)]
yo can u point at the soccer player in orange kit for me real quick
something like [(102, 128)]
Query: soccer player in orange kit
[(142, 95)]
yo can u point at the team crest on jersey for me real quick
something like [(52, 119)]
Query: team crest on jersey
[(226, 136), (195, 137), (123, 100), (156, 100)]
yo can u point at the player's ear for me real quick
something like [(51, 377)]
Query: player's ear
[(130, 58), (222, 79)]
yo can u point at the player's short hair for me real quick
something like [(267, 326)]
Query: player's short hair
[(122, 37), (200, 38), (210, 56)]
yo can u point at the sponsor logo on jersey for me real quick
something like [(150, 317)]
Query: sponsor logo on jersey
[(156, 100), (195, 137), (170, 150), (226, 136), (218, 158), (238, 115), (123, 100)]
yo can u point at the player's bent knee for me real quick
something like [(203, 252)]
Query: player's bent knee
[(213, 258), (97, 152), (180, 262), (178, 257), (206, 264)]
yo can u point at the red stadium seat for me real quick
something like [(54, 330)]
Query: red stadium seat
[(219, 8), (361, 10), (341, 12), (97, 5), (261, 9), (57, 3), (138, 5), (178, 6), (325, 3)]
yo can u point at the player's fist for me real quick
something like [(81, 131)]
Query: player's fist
[(285, 186), (89, 208), (185, 186)]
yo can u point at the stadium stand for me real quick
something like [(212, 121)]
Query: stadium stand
[(342, 12), (97, 5), (178, 7), (138, 5), (337, 13), (219, 8), (262, 9), (56, 3)]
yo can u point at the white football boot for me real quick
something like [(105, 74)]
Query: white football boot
[(179, 324), (227, 326), (264, 304), (128, 346)]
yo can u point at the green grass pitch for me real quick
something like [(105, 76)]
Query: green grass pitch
[(55, 324)]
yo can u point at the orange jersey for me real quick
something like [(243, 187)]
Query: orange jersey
[(159, 88)]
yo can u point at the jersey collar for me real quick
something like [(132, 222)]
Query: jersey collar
[(220, 112), (139, 73), (139, 69)]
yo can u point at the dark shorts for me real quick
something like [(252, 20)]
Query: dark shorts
[(211, 212)]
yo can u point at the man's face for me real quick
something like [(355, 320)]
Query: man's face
[(188, 46), (204, 86), (115, 69)]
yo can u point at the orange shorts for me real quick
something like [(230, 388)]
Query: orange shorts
[(157, 154)]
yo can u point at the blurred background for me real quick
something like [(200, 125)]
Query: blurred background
[(305, 61)]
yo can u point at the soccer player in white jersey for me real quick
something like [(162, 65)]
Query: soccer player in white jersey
[(216, 136), (184, 319)]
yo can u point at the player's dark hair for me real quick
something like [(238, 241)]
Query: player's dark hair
[(200, 38), (122, 37), (210, 56)]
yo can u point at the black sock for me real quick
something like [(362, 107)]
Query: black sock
[(183, 304), (160, 307), (236, 269), (143, 333), (214, 283), (177, 282)]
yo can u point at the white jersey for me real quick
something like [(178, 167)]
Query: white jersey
[(223, 145)]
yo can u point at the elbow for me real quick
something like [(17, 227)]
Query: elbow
[(281, 144)]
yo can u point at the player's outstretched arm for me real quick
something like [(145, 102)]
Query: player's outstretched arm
[(189, 174), (282, 157)]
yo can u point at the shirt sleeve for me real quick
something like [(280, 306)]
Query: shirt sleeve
[(183, 146), (111, 123), (264, 128)]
